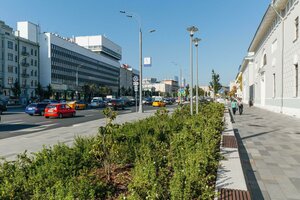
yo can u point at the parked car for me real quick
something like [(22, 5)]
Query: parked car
[(59, 110), (116, 103), (36, 109), (148, 101), (2, 106), (78, 105), (97, 103), (168, 101), (157, 103)]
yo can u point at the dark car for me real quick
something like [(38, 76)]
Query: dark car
[(116, 103), (148, 101), (2, 106), (36, 109)]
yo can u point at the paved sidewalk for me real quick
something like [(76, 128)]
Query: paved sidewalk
[(269, 145), (11, 147)]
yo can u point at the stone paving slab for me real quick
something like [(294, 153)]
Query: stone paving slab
[(270, 153)]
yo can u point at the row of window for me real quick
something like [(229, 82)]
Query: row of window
[(10, 57), (10, 45), (10, 81)]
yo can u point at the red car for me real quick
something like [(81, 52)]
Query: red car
[(59, 110)]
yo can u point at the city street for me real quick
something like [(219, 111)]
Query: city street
[(269, 146), (15, 122)]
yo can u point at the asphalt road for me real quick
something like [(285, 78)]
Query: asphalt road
[(16, 122)]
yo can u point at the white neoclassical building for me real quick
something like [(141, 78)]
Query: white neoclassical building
[(270, 71)]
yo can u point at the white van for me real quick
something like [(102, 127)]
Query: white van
[(97, 98)]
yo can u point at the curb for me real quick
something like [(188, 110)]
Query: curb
[(230, 182)]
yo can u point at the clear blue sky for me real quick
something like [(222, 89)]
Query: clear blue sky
[(225, 26)]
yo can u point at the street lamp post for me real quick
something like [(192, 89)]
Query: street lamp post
[(140, 56), (196, 41), (191, 30)]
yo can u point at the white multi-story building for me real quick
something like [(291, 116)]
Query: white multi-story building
[(270, 71), (19, 61)]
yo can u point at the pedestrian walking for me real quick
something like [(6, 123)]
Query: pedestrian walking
[(234, 106), (240, 105)]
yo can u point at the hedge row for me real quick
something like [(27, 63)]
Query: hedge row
[(162, 157)]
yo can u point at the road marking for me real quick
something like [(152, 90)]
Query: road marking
[(43, 122), (75, 125), (13, 121), (89, 115)]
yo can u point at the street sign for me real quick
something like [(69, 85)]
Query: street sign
[(135, 83), (135, 78), (136, 88)]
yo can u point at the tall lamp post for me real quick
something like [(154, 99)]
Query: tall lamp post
[(138, 19), (191, 30), (196, 41)]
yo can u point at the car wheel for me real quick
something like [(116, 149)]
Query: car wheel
[(1, 112), (31, 114), (46, 117), (73, 114), (60, 115)]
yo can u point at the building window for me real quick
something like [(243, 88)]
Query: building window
[(35, 63), (23, 49), (31, 52), (35, 52), (31, 83), (10, 45), (31, 62), (274, 85), (265, 60), (35, 73), (10, 56), (16, 70), (10, 69), (16, 47), (296, 28), (10, 80), (16, 59), (296, 80)]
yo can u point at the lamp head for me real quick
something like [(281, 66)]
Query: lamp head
[(192, 30), (196, 41)]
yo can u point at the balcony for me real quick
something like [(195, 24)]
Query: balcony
[(24, 53), (25, 64), (24, 75)]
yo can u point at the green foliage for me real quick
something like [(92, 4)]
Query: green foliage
[(215, 82), (174, 156)]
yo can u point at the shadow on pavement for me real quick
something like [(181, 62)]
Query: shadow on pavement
[(13, 127), (249, 174)]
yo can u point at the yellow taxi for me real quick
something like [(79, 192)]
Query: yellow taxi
[(158, 103), (78, 105)]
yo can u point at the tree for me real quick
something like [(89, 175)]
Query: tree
[(86, 92), (39, 91), (16, 89), (123, 91), (49, 91), (215, 82)]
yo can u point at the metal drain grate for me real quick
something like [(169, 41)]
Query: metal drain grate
[(229, 141), (230, 194)]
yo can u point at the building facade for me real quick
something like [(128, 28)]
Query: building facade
[(19, 63), (270, 71), (67, 66)]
